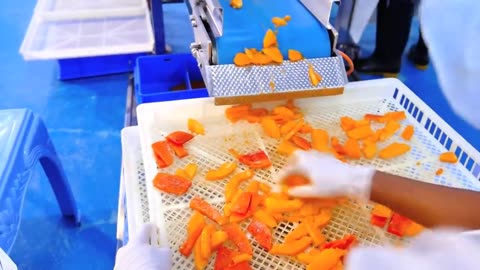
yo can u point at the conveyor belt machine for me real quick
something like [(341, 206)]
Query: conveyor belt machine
[(221, 31)]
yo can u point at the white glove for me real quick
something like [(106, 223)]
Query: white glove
[(329, 177), (362, 12), (451, 32), (433, 250), (139, 254), (5, 262)]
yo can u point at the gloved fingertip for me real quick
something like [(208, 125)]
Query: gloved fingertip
[(285, 172), (166, 252), (166, 258), (276, 189), (301, 191), (143, 234), (361, 258), (300, 157)]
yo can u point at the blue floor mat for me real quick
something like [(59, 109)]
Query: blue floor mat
[(84, 119)]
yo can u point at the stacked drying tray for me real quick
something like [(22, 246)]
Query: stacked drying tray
[(90, 37), (171, 212)]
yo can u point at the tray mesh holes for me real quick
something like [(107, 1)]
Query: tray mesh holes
[(209, 151)]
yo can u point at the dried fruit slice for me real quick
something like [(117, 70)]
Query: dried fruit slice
[(237, 4), (270, 39), (274, 54), (278, 22), (241, 60), (294, 55), (315, 78)]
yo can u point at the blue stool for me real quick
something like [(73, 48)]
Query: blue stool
[(24, 141)]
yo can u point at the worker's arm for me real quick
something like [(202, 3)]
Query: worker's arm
[(428, 204)]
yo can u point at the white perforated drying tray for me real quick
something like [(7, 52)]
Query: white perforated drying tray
[(62, 29), (432, 136), (134, 179)]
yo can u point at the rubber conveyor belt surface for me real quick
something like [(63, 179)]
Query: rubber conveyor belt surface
[(245, 28)]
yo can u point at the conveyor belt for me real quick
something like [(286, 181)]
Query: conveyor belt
[(245, 28)]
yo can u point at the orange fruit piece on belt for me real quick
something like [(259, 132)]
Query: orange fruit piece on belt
[(294, 55), (241, 60)]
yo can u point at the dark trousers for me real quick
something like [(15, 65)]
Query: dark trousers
[(394, 18)]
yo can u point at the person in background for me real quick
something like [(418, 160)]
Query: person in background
[(394, 19), (454, 241), (443, 24), (418, 53)]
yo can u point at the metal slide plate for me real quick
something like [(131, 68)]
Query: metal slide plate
[(230, 84)]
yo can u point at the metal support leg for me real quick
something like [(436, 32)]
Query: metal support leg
[(33, 145), (344, 20), (345, 42), (158, 25), (39, 147)]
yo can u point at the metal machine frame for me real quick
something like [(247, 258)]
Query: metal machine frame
[(206, 17)]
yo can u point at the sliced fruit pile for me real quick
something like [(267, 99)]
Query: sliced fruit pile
[(211, 232), (397, 224), (270, 52), (250, 215), (174, 141), (287, 124), (179, 183)]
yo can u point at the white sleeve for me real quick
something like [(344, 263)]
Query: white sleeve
[(5, 262), (361, 14), (438, 250), (472, 235), (451, 29)]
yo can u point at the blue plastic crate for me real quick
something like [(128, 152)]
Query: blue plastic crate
[(168, 77), (83, 67)]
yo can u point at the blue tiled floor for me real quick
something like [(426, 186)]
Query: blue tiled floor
[(84, 119)]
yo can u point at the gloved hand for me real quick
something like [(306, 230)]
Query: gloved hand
[(329, 177), (139, 254), (433, 250)]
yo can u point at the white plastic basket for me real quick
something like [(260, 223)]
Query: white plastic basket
[(62, 29), (432, 136), (134, 179), (88, 5)]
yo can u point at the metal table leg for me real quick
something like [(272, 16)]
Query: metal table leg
[(345, 43), (158, 25)]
